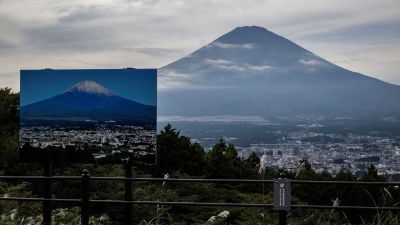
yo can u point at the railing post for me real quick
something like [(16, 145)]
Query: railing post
[(128, 192), (282, 197), (282, 218), (85, 198), (47, 172)]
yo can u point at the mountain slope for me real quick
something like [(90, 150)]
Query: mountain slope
[(88, 100), (252, 71)]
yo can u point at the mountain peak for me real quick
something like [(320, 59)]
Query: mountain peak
[(89, 87), (254, 34), (250, 48), (252, 28)]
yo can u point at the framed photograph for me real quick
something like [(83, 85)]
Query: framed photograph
[(88, 116)]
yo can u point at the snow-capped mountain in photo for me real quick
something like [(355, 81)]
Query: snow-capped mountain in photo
[(89, 87), (88, 100)]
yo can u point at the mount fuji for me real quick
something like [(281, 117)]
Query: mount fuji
[(88, 100), (252, 71)]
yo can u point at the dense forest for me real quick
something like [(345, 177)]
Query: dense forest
[(179, 157)]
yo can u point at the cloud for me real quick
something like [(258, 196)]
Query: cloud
[(85, 14), (224, 64), (231, 65), (153, 33), (219, 62), (4, 44), (232, 46), (310, 62), (172, 80), (259, 67)]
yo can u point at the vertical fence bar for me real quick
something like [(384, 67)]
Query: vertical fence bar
[(47, 172), (128, 192), (85, 198), (282, 197), (282, 218)]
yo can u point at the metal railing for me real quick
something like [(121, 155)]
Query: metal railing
[(85, 200)]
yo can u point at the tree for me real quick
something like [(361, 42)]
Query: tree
[(216, 161), (9, 123), (372, 175), (176, 152), (223, 162), (253, 160), (304, 170)]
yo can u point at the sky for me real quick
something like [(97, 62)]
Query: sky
[(136, 85), (360, 35)]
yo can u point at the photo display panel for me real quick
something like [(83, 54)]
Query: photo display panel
[(88, 116)]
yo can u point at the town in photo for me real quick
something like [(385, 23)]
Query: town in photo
[(88, 116)]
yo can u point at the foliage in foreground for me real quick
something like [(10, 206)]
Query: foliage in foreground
[(181, 158), (61, 216)]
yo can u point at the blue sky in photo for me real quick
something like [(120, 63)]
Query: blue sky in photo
[(139, 85)]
